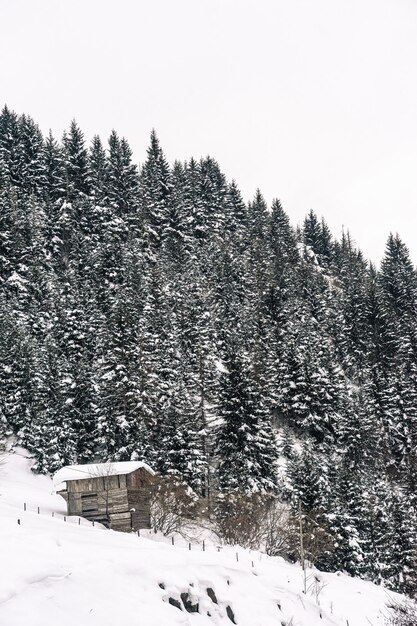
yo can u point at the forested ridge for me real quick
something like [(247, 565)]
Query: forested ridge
[(152, 314)]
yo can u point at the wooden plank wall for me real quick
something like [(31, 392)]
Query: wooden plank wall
[(113, 497)]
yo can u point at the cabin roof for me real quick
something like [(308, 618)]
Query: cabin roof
[(96, 470)]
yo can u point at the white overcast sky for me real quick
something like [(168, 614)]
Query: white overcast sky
[(313, 101)]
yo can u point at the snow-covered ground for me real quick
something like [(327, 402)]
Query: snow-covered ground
[(62, 573)]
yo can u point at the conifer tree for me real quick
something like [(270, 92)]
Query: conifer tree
[(10, 152), (244, 444), (155, 193), (122, 176), (76, 163), (316, 235), (32, 151), (54, 188), (98, 171), (177, 239)]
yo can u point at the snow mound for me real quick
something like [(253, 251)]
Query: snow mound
[(63, 571)]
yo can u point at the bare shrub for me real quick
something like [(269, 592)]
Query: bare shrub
[(402, 614), (275, 528), (253, 521), (173, 505), (315, 585), (236, 518)]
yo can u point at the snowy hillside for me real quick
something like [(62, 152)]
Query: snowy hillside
[(57, 572)]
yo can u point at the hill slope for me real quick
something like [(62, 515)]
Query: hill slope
[(150, 314), (66, 573)]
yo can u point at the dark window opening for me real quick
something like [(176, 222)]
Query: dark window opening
[(89, 503)]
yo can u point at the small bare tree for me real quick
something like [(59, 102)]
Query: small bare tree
[(104, 471), (173, 505), (309, 536), (275, 527), (309, 539)]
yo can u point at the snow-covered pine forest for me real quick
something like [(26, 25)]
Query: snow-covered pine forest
[(152, 314)]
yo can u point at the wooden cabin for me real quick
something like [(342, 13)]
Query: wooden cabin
[(114, 494)]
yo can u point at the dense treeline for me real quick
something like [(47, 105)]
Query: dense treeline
[(153, 314)]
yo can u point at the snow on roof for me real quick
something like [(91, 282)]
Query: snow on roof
[(94, 470)]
